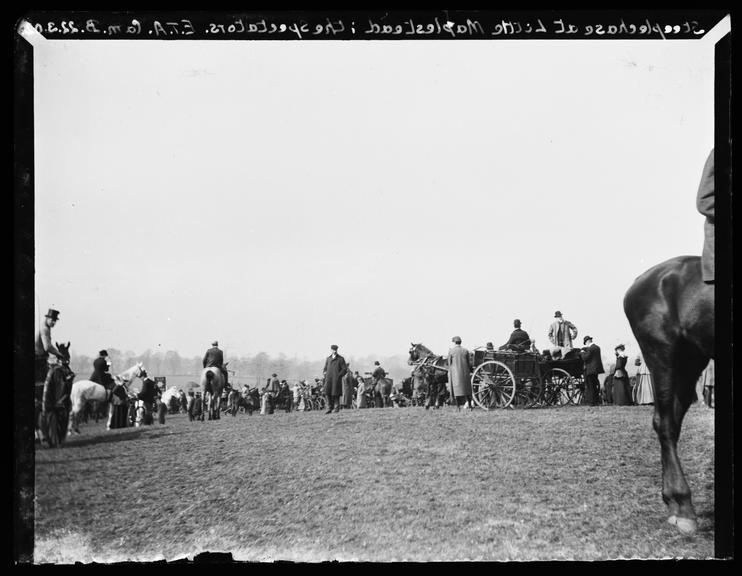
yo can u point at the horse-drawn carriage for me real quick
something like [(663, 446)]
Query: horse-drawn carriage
[(506, 379), (502, 379)]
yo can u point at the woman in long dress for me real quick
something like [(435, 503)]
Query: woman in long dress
[(621, 387), (119, 415), (643, 391)]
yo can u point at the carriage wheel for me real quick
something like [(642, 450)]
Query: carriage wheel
[(576, 390), (528, 393), (557, 387), (493, 385)]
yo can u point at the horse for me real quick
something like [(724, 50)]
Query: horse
[(52, 407), (431, 368), (250, 401), (84, 391), (212, 384), (671, 313), (383, 392)]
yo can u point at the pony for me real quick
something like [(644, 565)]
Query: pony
[(233, 401), (212, 385), (53, 405), (431, 369), (671, 313), (383, 392), (84, 391)]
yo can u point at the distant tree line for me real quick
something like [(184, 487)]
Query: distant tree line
[(252, 370)]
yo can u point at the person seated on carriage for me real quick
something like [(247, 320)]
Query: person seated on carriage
[(519, 340), (214, 358), (46, 353)]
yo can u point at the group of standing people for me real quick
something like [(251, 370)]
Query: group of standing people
[(340, 385)]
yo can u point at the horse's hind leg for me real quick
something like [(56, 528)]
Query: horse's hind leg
[(674, 383)]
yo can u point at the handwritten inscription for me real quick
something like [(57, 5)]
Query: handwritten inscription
[(434, 27)]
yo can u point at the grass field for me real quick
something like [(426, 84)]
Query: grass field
[(374, 485)]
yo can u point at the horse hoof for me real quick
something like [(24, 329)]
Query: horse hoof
[(684, 525)]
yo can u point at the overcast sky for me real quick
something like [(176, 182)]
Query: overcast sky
[(285, 196)]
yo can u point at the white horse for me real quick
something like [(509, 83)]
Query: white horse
[(84, 391)]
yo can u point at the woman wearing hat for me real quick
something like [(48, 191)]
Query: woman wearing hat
[(621, 387)]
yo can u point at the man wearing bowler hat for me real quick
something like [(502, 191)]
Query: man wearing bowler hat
[(519, 340), (561, 334), (593, 366), (335, 369), (45, 352)]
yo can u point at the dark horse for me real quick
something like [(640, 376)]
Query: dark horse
[(671, 312), (432, 370), (53, 403)]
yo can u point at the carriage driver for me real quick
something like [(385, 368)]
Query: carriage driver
[(519, 339), (45, 352), (214, 358)]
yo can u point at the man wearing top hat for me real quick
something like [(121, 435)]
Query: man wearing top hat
[(561, 334), (45, 352), (214, 358), (593, 365), (101, 374), (335, 369)]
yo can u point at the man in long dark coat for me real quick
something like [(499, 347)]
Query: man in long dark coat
[(593, 366), (335, 369), (705, 205)]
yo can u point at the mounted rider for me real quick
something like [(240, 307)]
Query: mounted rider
[(101, 374), (46, 353), (214, 358)]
